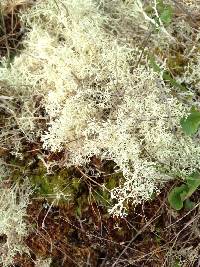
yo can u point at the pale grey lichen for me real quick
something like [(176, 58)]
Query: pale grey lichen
[(100, 97)]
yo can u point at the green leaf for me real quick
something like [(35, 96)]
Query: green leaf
[(165, 12), (177, 196), (153, 64), (193, 182), (188, 204), (166, 15), (191, 123)]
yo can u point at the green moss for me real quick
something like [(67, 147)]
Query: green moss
[(102, 194), (67, 184), (62, 182)]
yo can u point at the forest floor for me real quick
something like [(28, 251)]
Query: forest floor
[(81, 232)]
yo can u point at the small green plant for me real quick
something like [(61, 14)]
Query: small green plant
[(180, 195), (191, 123), (162, 13), (165, 12)]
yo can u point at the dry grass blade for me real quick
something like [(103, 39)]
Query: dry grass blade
[(11, 6)]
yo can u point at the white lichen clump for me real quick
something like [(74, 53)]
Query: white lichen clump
[(13, 204), (43, 262), (100, 97)]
